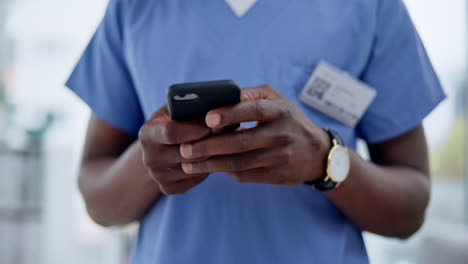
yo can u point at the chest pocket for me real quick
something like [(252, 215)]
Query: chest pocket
[(289, 79)]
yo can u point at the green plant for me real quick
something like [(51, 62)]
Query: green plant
[(447, 160), (3, 99)]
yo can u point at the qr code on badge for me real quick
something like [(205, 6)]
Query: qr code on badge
[(319, 88)]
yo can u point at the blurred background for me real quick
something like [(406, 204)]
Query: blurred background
[(42, 126)]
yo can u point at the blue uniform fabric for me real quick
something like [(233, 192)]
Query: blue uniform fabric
[(144, 46)]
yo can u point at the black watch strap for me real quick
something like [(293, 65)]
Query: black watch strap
[(334, 136), (325, 185)]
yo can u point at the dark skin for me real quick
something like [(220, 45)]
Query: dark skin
[(393, 190), (115, 184)]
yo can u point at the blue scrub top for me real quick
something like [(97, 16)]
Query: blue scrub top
[(144, 46)]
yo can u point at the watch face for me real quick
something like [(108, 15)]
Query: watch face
[(339, 164)]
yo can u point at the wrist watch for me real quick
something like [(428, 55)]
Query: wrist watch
[(337, 165)]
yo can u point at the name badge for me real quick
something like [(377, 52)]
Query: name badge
[(337, 94)]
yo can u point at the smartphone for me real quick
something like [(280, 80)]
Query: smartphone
[(192, 101)]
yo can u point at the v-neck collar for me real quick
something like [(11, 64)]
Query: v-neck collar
[(234, 30), (241, 7)]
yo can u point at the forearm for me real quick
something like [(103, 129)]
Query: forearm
[(386, 200), (120, 190)]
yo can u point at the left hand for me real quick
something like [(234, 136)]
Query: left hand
[(285, 147)]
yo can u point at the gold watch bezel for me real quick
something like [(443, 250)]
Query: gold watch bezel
[(329, 176)]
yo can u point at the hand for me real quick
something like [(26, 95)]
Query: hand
[(160, 139), (284, 148)]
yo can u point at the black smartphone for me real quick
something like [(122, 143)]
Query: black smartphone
[(192, 101)]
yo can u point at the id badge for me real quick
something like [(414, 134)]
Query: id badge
[(337, 94)]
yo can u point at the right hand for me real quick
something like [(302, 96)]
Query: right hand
[(160, 139)]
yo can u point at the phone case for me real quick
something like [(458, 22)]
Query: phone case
[(192, 101)]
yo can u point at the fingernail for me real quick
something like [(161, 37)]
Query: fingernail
[(213, 120), (187, 167), (186, 150)]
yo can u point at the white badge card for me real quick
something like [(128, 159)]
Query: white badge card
[(337, 94)]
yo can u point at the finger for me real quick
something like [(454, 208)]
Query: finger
[(262, 110), (258, 93), (162, 156), (232, 143), (182, 186), (257, 175), (172, 132), (268, 175), (172, 175), (165, 156), (217, 130), (235, 163), (160, 129), (243, 128)]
